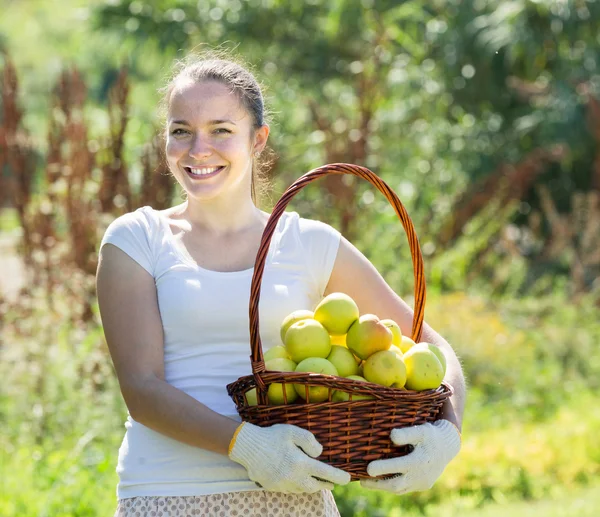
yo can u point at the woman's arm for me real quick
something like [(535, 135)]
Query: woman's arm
[(354, 275), (133, 330)]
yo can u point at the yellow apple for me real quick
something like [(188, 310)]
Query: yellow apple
[(395, 329), (336, 312), (343, 360), (292, 318), (338, 340), (307, 338), (275, 392), (315, 365), (368, 335), (423, 369), (343, 396), (275, 352), (438, 353), (385, 368), (405, 344)]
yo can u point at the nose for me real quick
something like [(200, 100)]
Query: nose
[(199, 148)]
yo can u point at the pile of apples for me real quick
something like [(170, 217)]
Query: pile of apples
[(335, 339)]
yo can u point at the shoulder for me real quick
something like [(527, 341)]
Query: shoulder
[(140, 219), (308, 228), (135, 233)]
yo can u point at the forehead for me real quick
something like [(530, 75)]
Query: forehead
[(208, 100)]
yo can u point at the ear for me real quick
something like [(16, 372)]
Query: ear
[(260, 138)]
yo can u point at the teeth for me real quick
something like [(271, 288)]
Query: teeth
[(203, 170)]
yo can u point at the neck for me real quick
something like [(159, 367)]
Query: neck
[(221, 217)]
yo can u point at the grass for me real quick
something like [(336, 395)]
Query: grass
[(530, 446), (579, 503)]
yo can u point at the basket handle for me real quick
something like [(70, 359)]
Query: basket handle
[(256, 357)]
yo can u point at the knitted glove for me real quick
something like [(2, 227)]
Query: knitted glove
[(435, 445), (278, 458)]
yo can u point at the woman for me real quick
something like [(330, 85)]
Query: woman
[(173, 288)]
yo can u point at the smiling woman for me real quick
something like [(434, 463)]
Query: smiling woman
[(173, 291)]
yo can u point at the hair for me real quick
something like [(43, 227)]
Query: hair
[(220, 65)]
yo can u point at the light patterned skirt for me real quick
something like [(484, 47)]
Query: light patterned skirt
[(256, 503)]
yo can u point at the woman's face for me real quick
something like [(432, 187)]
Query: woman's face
[(211, 140)]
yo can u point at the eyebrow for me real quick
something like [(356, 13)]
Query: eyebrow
[(210, 122)]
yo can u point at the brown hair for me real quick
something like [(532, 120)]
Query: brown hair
[(221, 66)]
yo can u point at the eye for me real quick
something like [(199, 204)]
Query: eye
[(178, 131), (221, 131)]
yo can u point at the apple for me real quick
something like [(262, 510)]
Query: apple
[(343, 360), (343, 396), (315, 365), (281, 364), (275, 392), (292, 318), (251, 397), (307, 338), (423, 369), (385, 368), (336, 312), (405, 344), (438, 353), (275, 352), (396, 350), (395, 329), (368, 335), (338, 340)]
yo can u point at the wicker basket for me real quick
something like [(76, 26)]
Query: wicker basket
[(354, 432)]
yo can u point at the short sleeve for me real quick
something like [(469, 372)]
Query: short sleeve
[(132, 233), (320, 242)]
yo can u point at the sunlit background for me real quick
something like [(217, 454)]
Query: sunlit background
[(483, 116)]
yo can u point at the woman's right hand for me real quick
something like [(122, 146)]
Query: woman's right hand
[(280, 458)]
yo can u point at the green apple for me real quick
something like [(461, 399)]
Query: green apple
[(251, 397), (368, 335), (307, 338), (315, 365), (438, 353), (275, 352), (281, 364), (336, 312), (405, 344), (343, 396), (395, 329), (292, 318), (396, 350), (275, 392), (343, 360), (423, 369), (385, 368)]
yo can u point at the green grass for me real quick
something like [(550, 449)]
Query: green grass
[(578, 503), (530, 441)]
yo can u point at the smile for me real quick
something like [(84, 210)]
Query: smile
[(203, 172)]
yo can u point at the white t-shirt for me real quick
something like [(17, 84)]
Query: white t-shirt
[(206, 339)]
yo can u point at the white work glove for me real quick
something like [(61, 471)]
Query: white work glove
[(435, 445), (278, 458)]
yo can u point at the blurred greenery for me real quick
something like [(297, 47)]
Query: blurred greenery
[(484, 118)]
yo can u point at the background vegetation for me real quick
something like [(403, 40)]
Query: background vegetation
[(484, 117)]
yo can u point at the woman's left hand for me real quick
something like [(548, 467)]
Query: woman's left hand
[(435, 445)]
